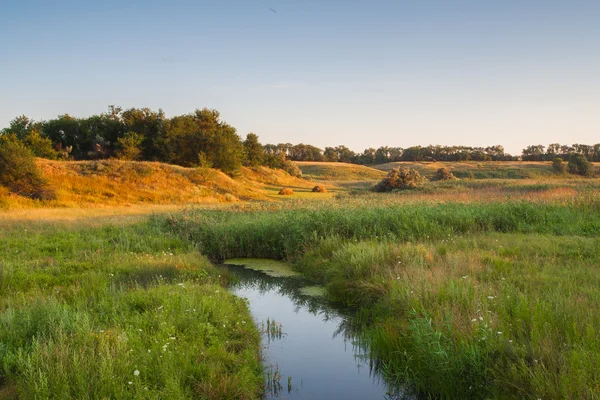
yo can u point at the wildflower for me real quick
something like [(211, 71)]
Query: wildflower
[(474, 320), (465, 276), (131, 383), (481, 318), (491, 297), (510, 341), (136, 373), (499, 333), (172, 338), (149, 351)]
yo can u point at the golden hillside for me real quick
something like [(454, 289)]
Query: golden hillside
[(118, 183)]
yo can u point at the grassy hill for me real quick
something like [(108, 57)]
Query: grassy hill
[(482, 170), (117, 183), (338, 172)]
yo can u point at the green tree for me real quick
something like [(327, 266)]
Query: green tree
[(558, 165), (254, 152), (579, 165), (129, 146), (18, 171)]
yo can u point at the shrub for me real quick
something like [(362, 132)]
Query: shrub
[(286, 192), (292, 168), (18, 171), (319, 189), (399, 178), (558, 165), (443, 174), (579, 165), (129, 146)]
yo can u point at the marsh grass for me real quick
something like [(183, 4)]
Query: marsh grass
[(477, 299), (119, 312)]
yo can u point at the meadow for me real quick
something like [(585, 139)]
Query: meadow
[(474, 288), (106, 310), (489, 296)]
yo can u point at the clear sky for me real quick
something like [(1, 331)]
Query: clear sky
[(326, 72)]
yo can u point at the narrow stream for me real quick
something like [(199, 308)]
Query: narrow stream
[(308, 353)]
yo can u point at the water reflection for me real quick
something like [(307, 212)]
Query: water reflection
[(312, 350)]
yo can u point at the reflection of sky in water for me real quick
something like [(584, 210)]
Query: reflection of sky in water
[(322, 363)]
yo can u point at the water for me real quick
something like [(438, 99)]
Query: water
[(304, 338)]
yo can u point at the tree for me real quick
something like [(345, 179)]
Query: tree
[(18, 171), (129, 146), (254, 153), (579, 165), (558, 165)]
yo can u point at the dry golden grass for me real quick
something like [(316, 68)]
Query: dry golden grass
[(114, 183)]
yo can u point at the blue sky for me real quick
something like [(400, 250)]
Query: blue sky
[(325, 72)]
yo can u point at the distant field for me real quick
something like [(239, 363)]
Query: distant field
[(336, 172), (482, 170)]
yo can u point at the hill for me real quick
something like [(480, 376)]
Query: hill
[(118, 183), (338, 172)]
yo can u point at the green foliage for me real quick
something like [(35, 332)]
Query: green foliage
[(558, 165), (18, 171), (292, 168), (129, 146), (39, 145), (399, 178), (579, 165), (254, 153)]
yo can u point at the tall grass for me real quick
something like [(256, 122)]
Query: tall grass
[(286, 233), (456, 300), (124, 312)]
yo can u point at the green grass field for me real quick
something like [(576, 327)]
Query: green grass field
[(479, 299), (474, 289), (124, 312)]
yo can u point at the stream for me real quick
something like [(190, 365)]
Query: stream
[(308, 351)]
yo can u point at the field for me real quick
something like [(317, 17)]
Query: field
[(475, 288), (484, 170)]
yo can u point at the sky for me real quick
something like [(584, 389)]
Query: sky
[(363, 73)]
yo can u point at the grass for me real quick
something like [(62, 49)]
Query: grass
[(113, 183), (338, 172), (456, 299), (118, 312), (465, 289), (484, 169)]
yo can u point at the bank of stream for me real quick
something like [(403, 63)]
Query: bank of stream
[(309, 348)]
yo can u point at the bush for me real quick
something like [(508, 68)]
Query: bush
[(292, 168), (286, 192), (129, 146), (443, 174), (558, 165), (319, 189), (18, 171), (579, 165), (399, 178)]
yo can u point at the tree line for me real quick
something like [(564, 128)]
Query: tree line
[(202, 139)]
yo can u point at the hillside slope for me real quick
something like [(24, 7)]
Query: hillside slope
[(338, 172), (117, 183)]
